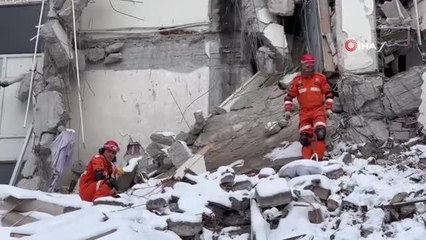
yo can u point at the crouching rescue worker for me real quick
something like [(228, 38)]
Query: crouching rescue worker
[(99, 179), (315, 98)]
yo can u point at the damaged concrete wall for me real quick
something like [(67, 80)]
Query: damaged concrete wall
[(99, 15), (355, 32), (119, 104)]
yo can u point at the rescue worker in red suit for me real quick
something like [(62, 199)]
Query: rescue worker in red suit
[(315, 98), (99, 178)]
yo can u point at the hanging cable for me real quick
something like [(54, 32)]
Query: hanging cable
[(78, 74), (33, 68)]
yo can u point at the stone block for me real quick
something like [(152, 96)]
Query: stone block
[(199, 117), (179, 153), (332, 205), (242, 185), (114, 48), (315, 216), (156, 204), (272, 193), (272, 128), (94, 55), (156, 151), (184, 228), (113, 58), (164, 138)]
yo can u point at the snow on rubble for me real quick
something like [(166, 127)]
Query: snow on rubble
[(345, 198)]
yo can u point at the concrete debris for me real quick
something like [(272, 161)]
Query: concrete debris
[(281, 7), (66, 13), (199, 117), (164, 138), (57, 4), (156, 151), (283, 123), (282, 195), (332, 205), (335, 174), (29, 183), (179, 153), (182, 136), (347, 158), (299, 168), (55, 84), (267, 60), (356, 93), (368, 130), (30, 166), (399, 197), (243, 185), (49, 112), (402, 93), (272, 128), (114, 48), (16, 219), (184, 228), (113, 58), (95, 55), (315, 216), (24, 88), (156, 204), (235, 219), (57, 43)]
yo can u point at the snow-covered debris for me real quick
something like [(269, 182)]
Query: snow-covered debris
[(300, 168), (266, 172), (273, 192)]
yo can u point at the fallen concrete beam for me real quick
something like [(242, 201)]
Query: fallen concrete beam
[(15, 219), (32, 204)]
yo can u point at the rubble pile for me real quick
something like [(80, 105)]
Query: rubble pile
[(375, 108), (346, 196)]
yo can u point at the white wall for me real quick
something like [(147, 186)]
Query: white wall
[(99, 15), (135, 103), (12, 111), (355, 19), (422, 14)]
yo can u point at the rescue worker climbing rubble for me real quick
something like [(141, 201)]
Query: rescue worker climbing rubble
[(99, 179), (315, 98)]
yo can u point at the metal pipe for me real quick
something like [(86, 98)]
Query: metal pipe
[(21, 156), (78, 74), (419, 37), (34, 64)]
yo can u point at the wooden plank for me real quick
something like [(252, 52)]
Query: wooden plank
[(323, 8)]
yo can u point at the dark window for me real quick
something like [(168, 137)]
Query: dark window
[(6, 171), (18, 26)]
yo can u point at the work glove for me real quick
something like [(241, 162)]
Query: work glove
[(330, 113), (287, 115)]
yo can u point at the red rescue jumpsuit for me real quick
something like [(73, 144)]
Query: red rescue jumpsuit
[(89, 188), (312, 93)]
